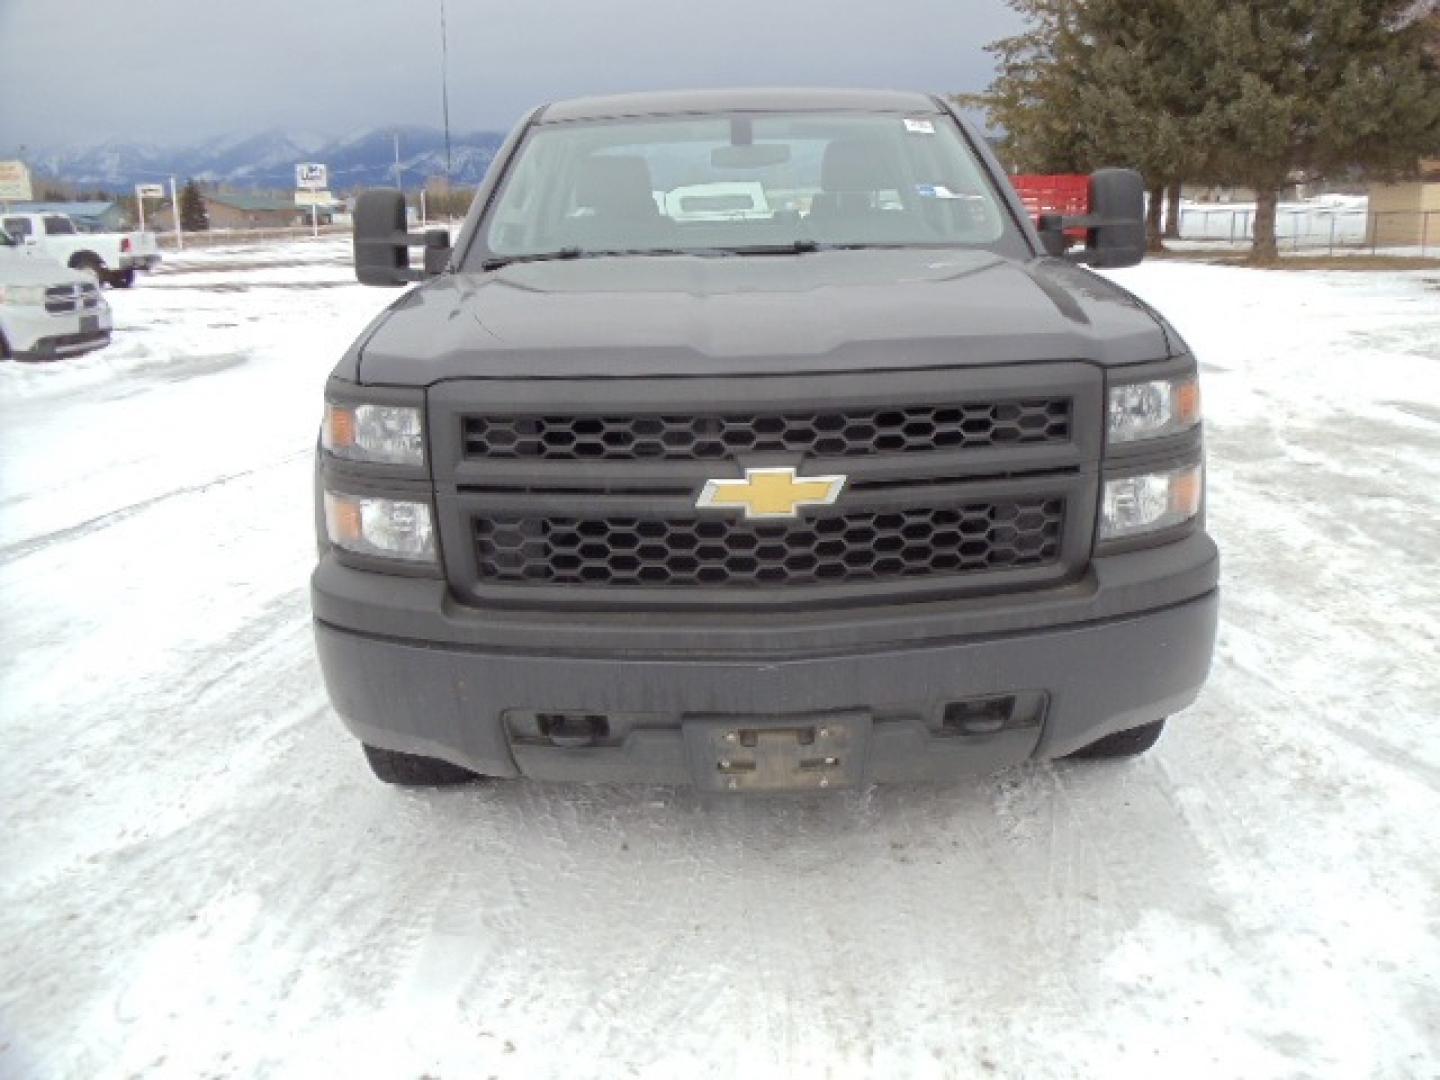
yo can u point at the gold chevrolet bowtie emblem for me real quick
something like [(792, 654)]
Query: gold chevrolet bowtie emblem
[(770, 493)]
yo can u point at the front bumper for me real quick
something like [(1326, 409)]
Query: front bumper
[(35, 332), (410, 670)]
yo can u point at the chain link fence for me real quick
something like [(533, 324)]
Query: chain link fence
[(1319, 229), (1314, 229)]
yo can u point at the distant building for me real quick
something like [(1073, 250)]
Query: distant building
[(232, 211), (90, 217), (1407, 214)]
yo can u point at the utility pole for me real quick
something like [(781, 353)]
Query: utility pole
[(445, 89), (175, 205)]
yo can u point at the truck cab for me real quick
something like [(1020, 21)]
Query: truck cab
[(871, 482), (108, 258)]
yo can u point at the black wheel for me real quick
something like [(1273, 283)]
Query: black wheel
[(87, 262), (412, 770), (120, 279), (1122, 744), (7, 353)]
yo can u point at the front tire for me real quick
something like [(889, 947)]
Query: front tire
[(7, 353), (1123, 744), (413, 770), (120, 279)]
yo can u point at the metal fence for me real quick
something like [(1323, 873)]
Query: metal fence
[(281, 234), (236, 237), (1332, 230), (1310, 228)]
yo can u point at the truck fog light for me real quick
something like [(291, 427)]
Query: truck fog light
[(387, 528), (1149, 502), (385, 434)]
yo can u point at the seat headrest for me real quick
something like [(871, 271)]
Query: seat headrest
[(617, 185), (852, 165)]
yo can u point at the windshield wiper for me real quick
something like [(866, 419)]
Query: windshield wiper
[(576, 253), (613, 253), (889, 245), (795, 247), (535, 256)]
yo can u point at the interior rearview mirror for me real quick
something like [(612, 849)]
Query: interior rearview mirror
[(382, 242), (750, 156)]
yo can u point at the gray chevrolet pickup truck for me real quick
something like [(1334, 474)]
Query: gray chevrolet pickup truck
[(758, 440)]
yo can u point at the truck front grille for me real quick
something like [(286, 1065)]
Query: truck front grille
[(63, 299), (969, 425), (685, 552)]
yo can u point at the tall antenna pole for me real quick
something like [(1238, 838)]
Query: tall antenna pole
[(445, 88)]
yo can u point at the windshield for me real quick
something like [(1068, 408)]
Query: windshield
[(744, 183)]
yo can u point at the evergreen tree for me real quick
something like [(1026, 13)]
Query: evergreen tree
[(1241, 92), (1093, 83), (1037, 70), (1317, 86), (193, 215)]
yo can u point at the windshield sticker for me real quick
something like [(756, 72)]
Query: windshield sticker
[(936, 191), (919, 127)]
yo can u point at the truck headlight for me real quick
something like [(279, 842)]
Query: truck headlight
[(381, 434), (1153, 409), (1149, 502), (385, 528), (22, 295)]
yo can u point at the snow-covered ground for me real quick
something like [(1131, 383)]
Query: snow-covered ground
[(198, 877)]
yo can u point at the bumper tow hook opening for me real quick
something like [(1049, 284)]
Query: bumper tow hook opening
[(981, 716), (572, 730)]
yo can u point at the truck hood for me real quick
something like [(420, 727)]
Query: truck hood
[(747, 315), (37, 270)]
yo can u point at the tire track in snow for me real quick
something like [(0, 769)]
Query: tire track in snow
[(21, 548)]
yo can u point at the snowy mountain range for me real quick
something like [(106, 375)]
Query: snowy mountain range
[(267, 160)]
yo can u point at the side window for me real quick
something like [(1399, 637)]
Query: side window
[(17, 226), (59, 226)]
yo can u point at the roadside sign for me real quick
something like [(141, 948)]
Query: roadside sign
[(312, 180), (143, 192), (312, 177), (15, 182)]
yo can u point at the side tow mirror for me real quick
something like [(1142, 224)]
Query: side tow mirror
[(382, 242), (1052, 233), (437, 251), (1114, 228), (1117, 218)]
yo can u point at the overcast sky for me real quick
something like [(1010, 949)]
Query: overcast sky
[(181, 70)]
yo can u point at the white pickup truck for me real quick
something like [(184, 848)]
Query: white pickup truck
[(47, 312), (113, 258)]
